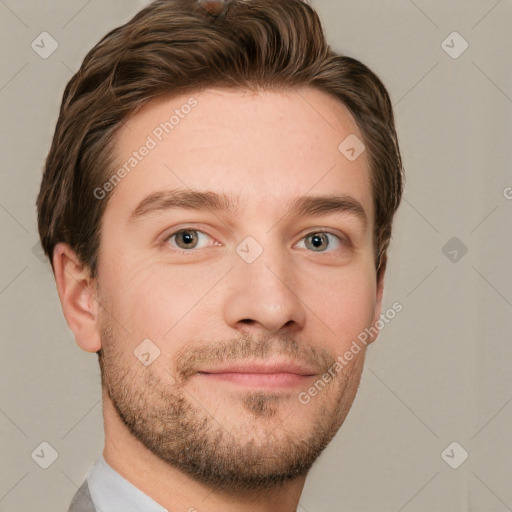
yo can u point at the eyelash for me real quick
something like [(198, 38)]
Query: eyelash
[(168, 238)]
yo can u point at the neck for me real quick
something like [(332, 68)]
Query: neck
[(175, 490)]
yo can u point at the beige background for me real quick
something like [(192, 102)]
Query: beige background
[(440, 372)]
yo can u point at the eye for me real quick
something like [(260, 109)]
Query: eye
[(188, 239), (321, 241)]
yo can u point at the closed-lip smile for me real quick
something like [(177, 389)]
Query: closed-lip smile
[(271, 373)]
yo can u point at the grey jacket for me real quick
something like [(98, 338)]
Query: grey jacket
[(82, 501)]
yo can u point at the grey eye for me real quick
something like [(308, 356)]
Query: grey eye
[(320, 241)]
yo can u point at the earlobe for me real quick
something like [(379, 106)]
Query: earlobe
[(77, 295)]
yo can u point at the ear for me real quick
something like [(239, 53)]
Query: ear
[(77, 293), (378, 301)]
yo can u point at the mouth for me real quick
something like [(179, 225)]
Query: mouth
[(269, 374)]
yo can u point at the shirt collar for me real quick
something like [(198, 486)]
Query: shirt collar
[(110, 492)]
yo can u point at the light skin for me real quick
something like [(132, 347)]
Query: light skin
[(304, 299)]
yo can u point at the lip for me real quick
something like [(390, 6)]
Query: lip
[(268, 367), (271, 374)]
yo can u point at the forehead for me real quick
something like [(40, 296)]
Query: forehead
[(262, 148)]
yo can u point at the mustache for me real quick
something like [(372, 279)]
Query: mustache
[(246, 347)]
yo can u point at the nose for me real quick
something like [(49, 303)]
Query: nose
[(261, 298)]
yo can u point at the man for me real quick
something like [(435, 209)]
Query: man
[(217, 204)]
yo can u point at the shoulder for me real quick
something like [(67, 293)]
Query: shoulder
[(82, 501)]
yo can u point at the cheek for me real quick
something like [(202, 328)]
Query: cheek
[(133, 300), (343, 304), (158, 304)]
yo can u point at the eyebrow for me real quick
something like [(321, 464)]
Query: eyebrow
[(212, 201), (320, 205), (188, 199)]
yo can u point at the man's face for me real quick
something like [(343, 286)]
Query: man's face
[(226, 295)]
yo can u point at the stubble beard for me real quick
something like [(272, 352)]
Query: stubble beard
[(179, 429)]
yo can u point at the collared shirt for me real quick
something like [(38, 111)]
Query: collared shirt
[(110, 492)]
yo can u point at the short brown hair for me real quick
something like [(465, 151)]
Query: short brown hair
[(175, 47)]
